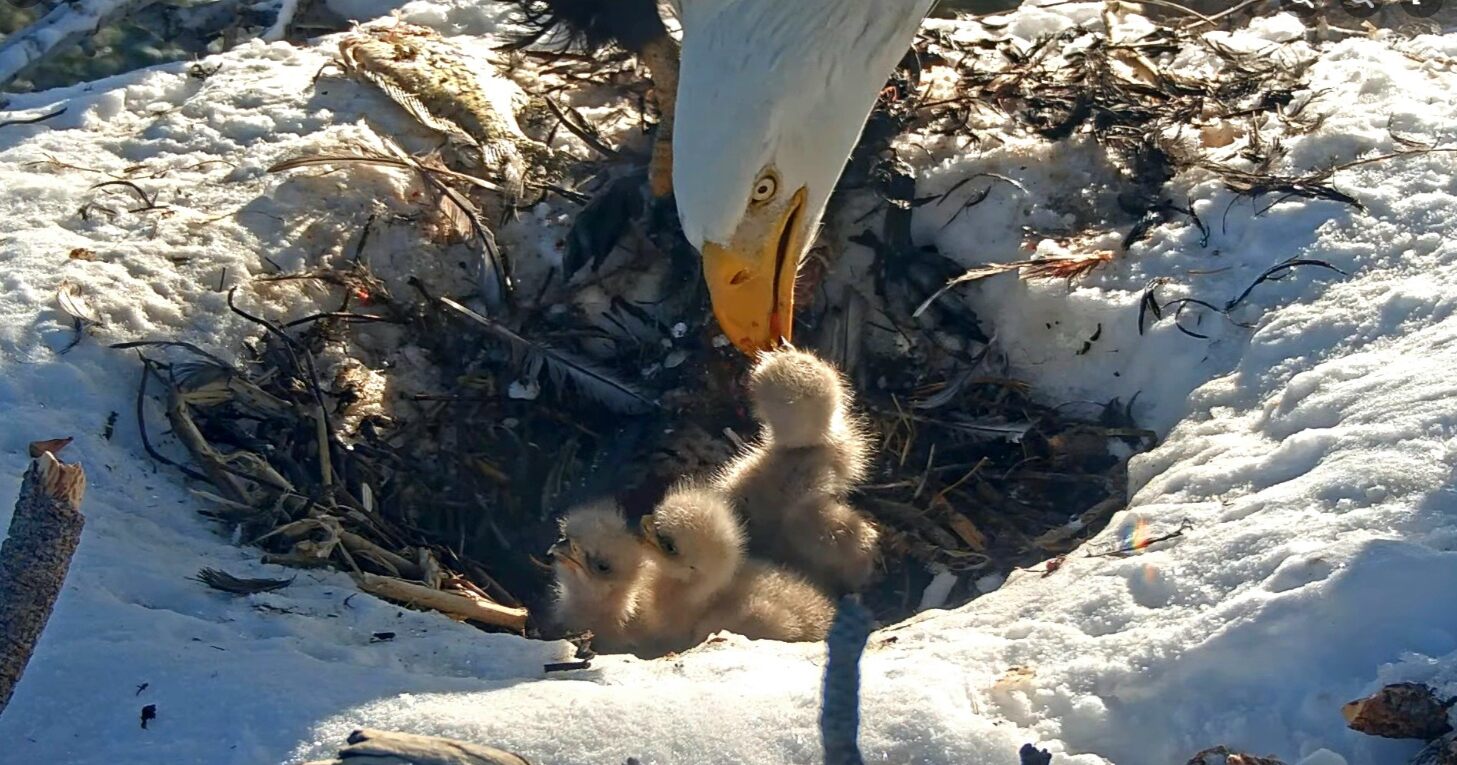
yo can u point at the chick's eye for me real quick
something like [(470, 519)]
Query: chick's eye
[(602, 566), (667, 545), (765, 188)]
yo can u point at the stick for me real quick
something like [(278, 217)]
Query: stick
[(202, 453), (1226, 12), (385, 746), (448, 603), (37, 553), (358, 546), (661, 58)]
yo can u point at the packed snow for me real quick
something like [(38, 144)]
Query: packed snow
[(1308, 459)]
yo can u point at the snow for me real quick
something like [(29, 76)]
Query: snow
[(1308, 460)]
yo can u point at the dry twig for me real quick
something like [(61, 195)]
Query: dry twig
[(458, 604)]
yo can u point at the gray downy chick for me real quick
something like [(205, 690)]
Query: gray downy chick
[(791, 486), (603, 578), (706, 584)]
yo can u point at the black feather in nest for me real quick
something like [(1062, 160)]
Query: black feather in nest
[(589, 24)]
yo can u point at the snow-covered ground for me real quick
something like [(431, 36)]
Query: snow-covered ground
[(1310, 457)]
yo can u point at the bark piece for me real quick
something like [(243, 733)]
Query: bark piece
[(457, 604), (378, 746)]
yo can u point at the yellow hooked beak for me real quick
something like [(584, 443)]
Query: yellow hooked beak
[(751, 280)]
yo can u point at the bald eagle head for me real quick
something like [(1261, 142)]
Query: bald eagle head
[(772, 96)]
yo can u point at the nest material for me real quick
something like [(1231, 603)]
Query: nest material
[(538, 406)]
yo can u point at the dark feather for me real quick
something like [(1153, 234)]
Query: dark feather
[(561, 368), (597, 229), (589, 24)]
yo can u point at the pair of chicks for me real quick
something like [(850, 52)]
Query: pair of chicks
[(752, 550)]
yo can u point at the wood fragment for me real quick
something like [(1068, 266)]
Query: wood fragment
[(661, 58), (366, 745), (34, 559), (1061, 538), (1144, 544), (295, 560), (48, 446), (455, 604), (361, 547), (202, 452), (967, 530)]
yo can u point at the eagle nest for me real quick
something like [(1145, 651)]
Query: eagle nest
[(426, 435)]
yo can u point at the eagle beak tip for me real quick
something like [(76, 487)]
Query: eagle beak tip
[(751, 279)]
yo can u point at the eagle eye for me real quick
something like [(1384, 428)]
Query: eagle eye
[(765, 188)]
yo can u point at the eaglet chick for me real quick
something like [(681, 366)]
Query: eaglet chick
[(704, 583), (603, 578), (791, 486)]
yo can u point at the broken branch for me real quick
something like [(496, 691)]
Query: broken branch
[(458, 605), (34, 559), (378, 745)]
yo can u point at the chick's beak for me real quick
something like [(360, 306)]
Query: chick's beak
[(566, 553), (751, 280), (649, 535)]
